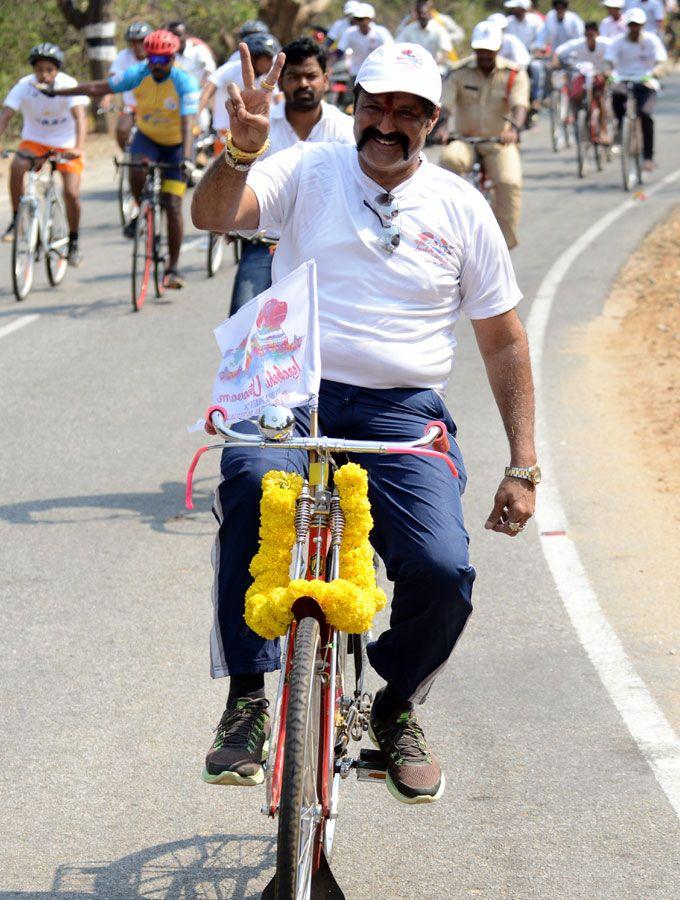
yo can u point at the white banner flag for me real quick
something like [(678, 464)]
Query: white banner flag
[(270, 349)]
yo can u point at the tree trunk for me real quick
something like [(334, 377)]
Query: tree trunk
[(99, 29), (287, 18)]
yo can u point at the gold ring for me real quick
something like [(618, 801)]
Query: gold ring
[(266, 86)]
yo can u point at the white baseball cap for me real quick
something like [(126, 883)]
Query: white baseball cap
[(517, 4), (486, 36), (349, 7), (502, 21), (614, 4), (364, 11), (636, 15), (408, 68)]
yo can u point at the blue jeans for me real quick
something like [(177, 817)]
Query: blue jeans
[(253, 276), (418, 533)]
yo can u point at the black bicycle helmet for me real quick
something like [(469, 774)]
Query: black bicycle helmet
[(262, 44), (138, 31), (47, 51), (252, 26)]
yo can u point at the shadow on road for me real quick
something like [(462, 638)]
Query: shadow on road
[(162, 510), (221, 865)]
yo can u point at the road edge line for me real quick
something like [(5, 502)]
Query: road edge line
[(643, 717), (18, 323)]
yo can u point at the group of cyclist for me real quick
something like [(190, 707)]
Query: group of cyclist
[(172, 88)]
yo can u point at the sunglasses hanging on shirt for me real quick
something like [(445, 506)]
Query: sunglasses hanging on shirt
[(388, 209)]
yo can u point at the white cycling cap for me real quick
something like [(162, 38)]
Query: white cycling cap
[(364, 11), (614, 4), (517, 4), (408, 68), (636, 15), (486, 36), (350, 7), (502, 21)]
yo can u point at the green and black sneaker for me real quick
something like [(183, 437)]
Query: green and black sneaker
[(240, 745), (413, 773)]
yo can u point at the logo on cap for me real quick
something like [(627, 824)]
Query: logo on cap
[(407, 57)]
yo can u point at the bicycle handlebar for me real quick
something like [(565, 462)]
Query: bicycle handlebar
[(144, 165), (434, 443), (51, 155), (474, 141)]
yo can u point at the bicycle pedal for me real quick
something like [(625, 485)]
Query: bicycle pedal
[(371, 765)]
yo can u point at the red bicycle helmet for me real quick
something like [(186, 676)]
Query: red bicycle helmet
[(161, 43)]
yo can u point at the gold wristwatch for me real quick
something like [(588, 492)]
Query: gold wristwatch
[(531, 473)]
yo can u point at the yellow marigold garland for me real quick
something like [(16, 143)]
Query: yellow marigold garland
[(351, 601)]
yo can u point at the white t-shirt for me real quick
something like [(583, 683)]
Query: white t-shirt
[(556, 32), (386, 320), (338, 28), (635, 59), (360, 44), (514, 50), (125, 59), (434, 38), (611, 28), (197, 60), (574, 52), (527, 30), (47, 120), (654, 10)]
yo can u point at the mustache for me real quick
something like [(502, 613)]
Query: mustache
[(372, 132)]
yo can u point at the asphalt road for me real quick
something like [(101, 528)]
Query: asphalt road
[(107, 706)]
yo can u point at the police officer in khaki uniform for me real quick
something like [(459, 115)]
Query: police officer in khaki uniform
[(484, 92)]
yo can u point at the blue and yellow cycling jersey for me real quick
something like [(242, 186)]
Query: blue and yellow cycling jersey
[(160, 104)]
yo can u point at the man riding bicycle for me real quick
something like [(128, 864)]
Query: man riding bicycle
[(637, 56), (133, 54), (402, 247), (489, 97), (47, 126), (167, 102), (579, 55)]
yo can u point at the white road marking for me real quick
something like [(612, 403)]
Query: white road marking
[(17, 324), (643, 717)]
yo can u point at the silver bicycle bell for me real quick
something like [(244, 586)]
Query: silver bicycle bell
[(276, 423)]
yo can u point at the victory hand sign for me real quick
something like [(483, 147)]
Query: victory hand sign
[(249, 108)]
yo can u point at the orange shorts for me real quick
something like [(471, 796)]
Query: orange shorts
[(75, 166)]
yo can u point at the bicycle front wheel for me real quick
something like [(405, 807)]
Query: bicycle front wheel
[(56, 242), (142, 256), (126, 202), (300, 816), (555, 121), (24, 249), (582, 139), (215, 253)]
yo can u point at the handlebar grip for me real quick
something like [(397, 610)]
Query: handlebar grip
[(442, 443), (209, 427)]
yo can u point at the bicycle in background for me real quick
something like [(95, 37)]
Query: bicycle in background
[(631, 142), (477, 175), (321, 703), (150, 246), (560, 131), (586, 113), (40, 225)]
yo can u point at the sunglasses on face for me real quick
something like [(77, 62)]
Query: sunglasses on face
[(388, 208), (159, 59)]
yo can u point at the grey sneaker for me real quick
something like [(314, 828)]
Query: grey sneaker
[(240, 745), (75, 257), (413, 773)]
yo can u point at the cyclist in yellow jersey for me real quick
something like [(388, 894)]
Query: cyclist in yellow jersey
[(167, 103)]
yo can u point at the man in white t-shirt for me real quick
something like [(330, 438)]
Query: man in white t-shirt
[(637, 56), (194, 56), (49, 124), (614, 24), (528, 26), (402, 248), (133, 54), (362, 38), (427, 32), (653, 9), (561, 25), (303, 116), (512, 48), (583, 57), (340, 26)]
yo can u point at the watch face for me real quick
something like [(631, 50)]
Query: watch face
[(536, 475)]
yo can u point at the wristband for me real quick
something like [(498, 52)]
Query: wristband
[(239, 155)]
